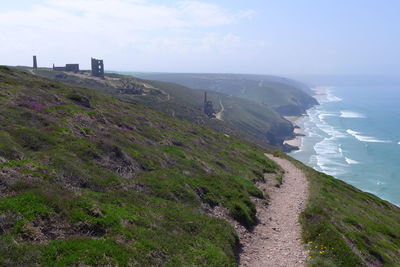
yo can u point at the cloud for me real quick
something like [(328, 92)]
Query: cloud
[(70, 30)]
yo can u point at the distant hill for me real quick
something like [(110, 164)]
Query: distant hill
[(286, 96), (241, 117)]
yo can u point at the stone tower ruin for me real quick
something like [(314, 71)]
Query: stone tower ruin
[(208, 107), (97, 68), (34, 62)]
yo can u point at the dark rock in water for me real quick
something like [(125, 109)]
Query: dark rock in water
[(289, 148)]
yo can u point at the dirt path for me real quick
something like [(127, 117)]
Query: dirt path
[(276, 240), (219, 114)]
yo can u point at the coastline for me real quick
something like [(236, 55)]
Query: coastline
[(298, 131), (319, 93)]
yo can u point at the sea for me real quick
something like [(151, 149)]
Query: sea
[(354, 135)]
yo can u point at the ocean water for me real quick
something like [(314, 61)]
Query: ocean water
[(354, 135)]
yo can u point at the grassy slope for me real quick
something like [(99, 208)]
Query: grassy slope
[(284, 95), (344, 226), (242, 117), (89, 179), (65, 196)]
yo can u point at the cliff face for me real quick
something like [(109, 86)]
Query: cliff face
[(298, 106), (279, 133)]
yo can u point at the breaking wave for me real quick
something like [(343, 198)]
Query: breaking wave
[(351, 161), (364, 138), (351, 115)]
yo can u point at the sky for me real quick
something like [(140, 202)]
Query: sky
[(281, 37)]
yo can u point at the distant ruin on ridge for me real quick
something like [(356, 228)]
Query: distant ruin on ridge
[(208, 107), (68, 67), (34, 62), (97, 68)]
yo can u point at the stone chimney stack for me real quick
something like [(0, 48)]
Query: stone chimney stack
[(34, 62)]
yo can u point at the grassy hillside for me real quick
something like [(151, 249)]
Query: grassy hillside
[(88, 179), (344, 226), (241, 117), (286, 96)]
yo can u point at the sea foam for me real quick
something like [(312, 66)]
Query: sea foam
[(330, 97), (354, 154), (325, 95), (329, 157), (364, 138), (351, 161), (351, 115)]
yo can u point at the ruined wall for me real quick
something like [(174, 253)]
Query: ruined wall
[(97, 68)]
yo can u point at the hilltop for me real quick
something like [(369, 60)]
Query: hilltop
[(90, 179)]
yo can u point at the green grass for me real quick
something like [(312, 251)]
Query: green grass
[(110, 182), (90, 180), (284, 95), (242, 117), (92, 252), (28, 205), (279, 179), (344, 226)]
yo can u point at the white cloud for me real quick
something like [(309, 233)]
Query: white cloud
[(65, 30)]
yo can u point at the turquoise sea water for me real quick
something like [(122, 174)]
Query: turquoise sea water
[(354, 135)]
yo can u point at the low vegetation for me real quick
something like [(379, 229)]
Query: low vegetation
[(248, 119), (343, 226), (87, 179), (286, 96)]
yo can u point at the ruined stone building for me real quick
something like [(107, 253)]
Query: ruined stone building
[(72, 67), (97, 68), (208, 107), (68, 67), (34, 62)]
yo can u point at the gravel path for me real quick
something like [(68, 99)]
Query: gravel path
[(276, 240), (219, 114)]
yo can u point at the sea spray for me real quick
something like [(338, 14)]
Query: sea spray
[(351, 136)]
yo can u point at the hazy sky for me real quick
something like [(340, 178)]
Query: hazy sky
[(243, 36)]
